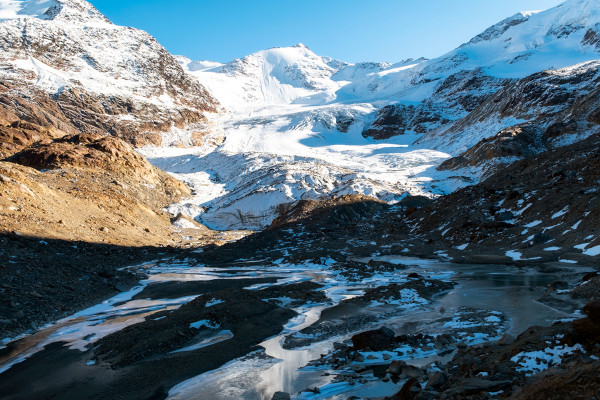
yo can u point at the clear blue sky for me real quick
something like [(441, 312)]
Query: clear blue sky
[(350, 30)]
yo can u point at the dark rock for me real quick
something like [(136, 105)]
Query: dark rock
[(414, 275), (395, 367), (540, 238), (505, 216), (592, 310), (409, 391), (478, 385), (437, 381), (119, 287), (340, 346), (559, 285), (281, 396), (589, 276), (411, 371), (377, 340)]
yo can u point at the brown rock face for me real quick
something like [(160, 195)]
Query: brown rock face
[(114, 79), (87, 187), (139, 123)]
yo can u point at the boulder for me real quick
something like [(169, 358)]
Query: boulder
[(376, 340), (281, 396), (409, 391), (437, 381), (592, 310), (396, 367)]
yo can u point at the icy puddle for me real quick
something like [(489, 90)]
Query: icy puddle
[(485, 303)]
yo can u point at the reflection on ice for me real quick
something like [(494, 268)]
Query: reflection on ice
[(205, 342)]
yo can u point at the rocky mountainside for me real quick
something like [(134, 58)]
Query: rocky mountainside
[(553, 108), (447, 89), (99, 77)]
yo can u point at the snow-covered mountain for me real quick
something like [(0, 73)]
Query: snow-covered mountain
[(278, 76), (296, 125), (104, 77), (286, 137), (302, 126), (513, 49)]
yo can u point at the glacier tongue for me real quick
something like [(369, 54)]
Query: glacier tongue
[(279, 155)]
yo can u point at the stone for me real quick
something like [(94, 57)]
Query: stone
[(339, 346), (592, 310), (407, 392), (478, 385), (437, 380), (396, 367), (377, 340), (281, 396), (559, 285), (119, 287), (589, 276), (411, 371)]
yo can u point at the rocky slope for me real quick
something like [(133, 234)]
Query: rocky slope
[(555, 107)]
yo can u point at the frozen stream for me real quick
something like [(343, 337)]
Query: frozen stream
[(499, 290)]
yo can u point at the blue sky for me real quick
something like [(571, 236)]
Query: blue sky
[(349, 30)]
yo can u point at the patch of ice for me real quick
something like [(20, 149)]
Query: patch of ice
[(553, 248), (532, 224), (593, 251), (462, 246), (214, 302), (515, 255), (561, 212), (204, 322)]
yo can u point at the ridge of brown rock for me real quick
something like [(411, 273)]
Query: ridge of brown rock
[(87, 187)]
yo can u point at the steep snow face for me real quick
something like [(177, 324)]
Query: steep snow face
[(271, 77), (563, 39), (518, 46), (278, 76)]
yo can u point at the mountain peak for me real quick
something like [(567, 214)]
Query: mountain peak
[(75, 10), (79, 11)]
